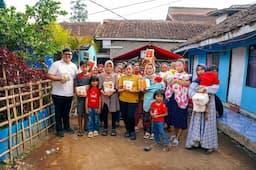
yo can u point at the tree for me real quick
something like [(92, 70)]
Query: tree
[(28, 33), (60, 36), (79, 11), (2, 4)]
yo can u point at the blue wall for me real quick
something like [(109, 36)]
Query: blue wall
[(248, 101), (224, 64), (202, 58), (223, 69)]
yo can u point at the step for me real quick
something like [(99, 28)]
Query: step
[(239, 127)]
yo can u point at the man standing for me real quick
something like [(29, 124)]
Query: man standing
[(62, 73)]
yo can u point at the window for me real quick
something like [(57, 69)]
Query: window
[(251, 69), (212, 59)]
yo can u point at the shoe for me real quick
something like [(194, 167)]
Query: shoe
[(95, 133), (133, 136), (151, 136), (113, 132), (175, 142), (147, 135), (126, 134), (104, 132), (60, 134), (80, 133), (69, 130), (90, 134)]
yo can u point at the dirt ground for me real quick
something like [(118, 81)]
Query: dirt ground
[(119, 153)]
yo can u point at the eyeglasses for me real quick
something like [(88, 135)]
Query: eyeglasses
[(67, 54)]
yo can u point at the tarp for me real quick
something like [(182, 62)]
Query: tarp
[(160, 53)]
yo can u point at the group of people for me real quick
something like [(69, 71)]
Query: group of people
[(134, 92)]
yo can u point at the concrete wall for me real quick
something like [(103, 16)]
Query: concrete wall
[(126, 46)]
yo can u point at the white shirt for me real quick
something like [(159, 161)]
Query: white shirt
[(60, 69)]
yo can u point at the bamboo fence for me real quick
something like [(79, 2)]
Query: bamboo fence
[(26, 114)]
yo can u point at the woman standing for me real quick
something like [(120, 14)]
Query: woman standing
[(177, 101), (129, 98), (203, 132), (108, 84), (152, 87)]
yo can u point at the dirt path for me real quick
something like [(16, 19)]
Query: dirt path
[(119, 153)]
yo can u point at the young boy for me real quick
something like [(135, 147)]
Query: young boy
[(82, 80)]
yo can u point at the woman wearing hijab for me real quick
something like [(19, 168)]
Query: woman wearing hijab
[(203, 132), (108, 82)]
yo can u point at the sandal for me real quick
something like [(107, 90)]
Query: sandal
[(175, 142), (209, 151), (172, 137), (147, 135), (167, 148)]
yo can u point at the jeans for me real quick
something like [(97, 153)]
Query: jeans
[(159, 130), (93, 120), (128, 114), (62, 107)]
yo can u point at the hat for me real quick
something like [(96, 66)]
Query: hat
[(199, 102)]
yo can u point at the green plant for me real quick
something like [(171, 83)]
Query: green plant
[(28, 33)]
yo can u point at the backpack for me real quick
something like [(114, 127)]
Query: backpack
[(219, 106)]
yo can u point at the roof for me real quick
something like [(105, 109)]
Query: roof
[(191, 15), (149, 29), (160, 53), (82, 29), (230, 11), (197, 19), (232, 23)]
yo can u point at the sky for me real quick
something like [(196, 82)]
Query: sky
[(144, 9)]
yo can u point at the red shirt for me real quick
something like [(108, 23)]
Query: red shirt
[(208, 79), (93, 97), (158, 109)]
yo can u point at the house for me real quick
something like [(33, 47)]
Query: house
[(231, 45), (222, 14), (191, 15), (85, 29), (120, 36)]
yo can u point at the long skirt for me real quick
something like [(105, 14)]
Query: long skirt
[(176, 115), (203, 132)]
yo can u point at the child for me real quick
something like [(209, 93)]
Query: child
[(148, 98), (82, 82), (201, 98), (158, 111), (93, 107)]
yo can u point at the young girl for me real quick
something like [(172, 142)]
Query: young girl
[(158, 111), (177, 101), (93, 107), (82, 81), (148, 98)]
